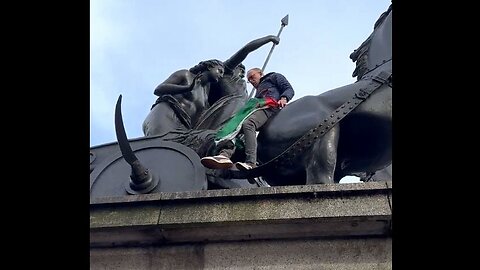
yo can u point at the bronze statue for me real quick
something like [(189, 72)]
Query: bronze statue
[(321, 139), (182, 102), (183, 97)]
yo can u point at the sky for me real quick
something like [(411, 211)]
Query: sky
[(136, 44)]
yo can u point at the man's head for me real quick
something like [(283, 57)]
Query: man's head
[(254, 75)]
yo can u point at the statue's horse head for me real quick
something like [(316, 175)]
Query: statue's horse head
[(376, 49)]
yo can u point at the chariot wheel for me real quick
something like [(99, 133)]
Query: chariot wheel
[(174, 168)]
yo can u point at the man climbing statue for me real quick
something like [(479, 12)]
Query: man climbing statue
[(273, 92)]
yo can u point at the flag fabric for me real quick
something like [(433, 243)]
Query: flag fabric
[(232, 127)]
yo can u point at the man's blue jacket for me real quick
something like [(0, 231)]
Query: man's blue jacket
[(274, 85)]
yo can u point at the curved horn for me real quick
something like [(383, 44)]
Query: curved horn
[(141, 180)]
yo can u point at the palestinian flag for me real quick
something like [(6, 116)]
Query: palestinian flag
[(232, 127)]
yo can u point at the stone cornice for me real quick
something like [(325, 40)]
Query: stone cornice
[(331, 210)]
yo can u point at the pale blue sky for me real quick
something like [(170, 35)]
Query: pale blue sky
[(136, 44)]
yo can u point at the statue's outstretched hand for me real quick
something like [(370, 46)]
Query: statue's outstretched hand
[(275, 39)]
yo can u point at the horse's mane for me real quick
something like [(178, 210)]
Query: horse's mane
[(360, 55)]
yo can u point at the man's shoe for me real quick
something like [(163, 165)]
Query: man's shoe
[(243, 166), (217, 162)]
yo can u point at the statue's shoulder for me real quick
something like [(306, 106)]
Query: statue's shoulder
[(182, 75), (182, 72)]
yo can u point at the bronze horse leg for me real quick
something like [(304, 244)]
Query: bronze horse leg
[(322, 159)]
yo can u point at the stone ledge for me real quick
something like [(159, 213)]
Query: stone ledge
[(236, 192), (336, 210)]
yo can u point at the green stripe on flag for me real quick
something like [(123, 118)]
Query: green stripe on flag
[(232, 126)]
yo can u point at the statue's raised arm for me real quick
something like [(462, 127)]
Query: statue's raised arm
[(239, 56)]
